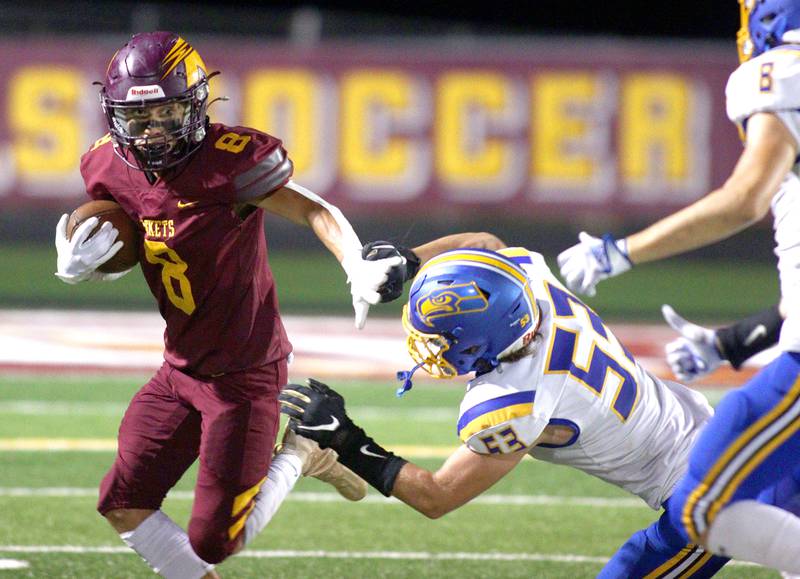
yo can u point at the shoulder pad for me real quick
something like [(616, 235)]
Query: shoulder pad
[(531, 262), (270, 171), (519, 255), (256, 162), (768, 83), (104, 140), (508, 436)]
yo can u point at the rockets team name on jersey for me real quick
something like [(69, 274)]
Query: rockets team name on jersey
[(205, 264)]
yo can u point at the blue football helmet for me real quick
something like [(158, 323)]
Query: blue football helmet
[(764, 23), (466, 309)]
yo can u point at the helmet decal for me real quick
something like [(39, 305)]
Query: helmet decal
[(175, 56), (452, 300), (182, 51)]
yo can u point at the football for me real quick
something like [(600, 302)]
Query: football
[(128, 255)]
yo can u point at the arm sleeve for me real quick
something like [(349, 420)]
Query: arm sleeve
[(738, 342)]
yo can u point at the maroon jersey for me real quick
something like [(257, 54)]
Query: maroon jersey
[(206, 265)]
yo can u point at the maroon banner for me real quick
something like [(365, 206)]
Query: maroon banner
[(529, 127)]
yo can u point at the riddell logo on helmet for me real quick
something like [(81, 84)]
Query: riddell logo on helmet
[(137, 93)]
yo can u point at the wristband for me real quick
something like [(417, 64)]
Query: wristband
[(412, 262), (738, 342), (369, 460)]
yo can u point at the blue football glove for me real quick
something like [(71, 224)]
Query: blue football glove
[(694, 353), (592, 260)]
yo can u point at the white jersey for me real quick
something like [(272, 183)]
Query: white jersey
[(771, 83), (629, 428)]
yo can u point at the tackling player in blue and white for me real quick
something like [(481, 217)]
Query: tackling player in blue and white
[(551, 381), (754, 438)]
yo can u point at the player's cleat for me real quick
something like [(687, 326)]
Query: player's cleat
[(322, 464)]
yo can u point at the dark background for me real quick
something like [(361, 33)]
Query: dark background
[(710, 19)]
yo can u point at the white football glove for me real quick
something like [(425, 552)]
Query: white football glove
[(591, 260), (79, 257), (695, 353), (365, 278)]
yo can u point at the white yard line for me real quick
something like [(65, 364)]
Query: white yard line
[(66, 408), (6, 564), (320, 554), (321, 497), (44, 444)]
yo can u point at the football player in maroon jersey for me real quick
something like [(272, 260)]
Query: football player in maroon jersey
[(199, 191)]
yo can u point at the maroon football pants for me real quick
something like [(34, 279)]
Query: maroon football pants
[(230, 422)]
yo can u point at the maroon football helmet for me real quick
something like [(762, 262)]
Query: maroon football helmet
[(155, 98)]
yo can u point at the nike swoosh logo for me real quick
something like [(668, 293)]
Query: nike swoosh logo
[(332, 425), (365, 451), (760, 331), (184, 204)]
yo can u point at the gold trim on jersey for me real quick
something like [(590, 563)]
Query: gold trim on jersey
[(514, 252), (495, 417), (595, 346)]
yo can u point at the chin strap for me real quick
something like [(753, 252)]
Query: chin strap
[(405, 377)]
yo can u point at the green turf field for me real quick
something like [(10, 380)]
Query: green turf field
[(535, 523), (313, 283)]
